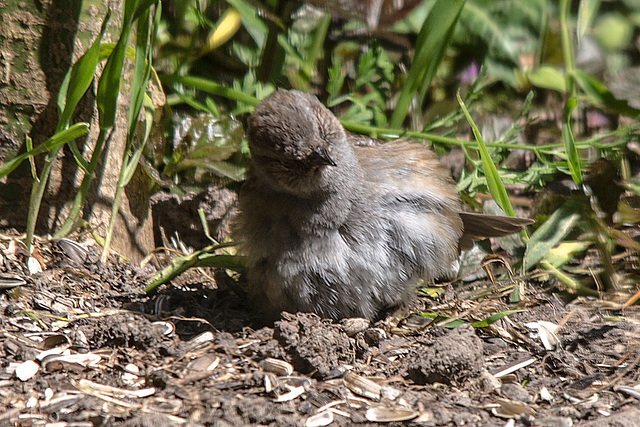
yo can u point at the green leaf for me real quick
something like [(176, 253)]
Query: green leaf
[(366, 69), (291, 51), (209, 153), (29, 145), (335, 83), (551, 233), (141, 71), (141, 7), (252, 22), (454, 324), (515, 297), (613, 31), (316, 49), (109, 83), (486, 24), (439, 318), (598, 93), (225, 169), (565, 252), (548, 77)]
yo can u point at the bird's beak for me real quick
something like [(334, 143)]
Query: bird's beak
[(320, 157)]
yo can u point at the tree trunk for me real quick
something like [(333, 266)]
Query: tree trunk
[(39, 42)]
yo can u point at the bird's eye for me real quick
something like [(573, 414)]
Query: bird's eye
[(320, 157)]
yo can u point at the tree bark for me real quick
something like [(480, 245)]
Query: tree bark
[(39, 42)]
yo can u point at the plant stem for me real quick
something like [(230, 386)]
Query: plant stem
[(444, 140)]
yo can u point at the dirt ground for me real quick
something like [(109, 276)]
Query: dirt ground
[(81, 344)]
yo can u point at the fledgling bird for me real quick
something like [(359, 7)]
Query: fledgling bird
[(342, 225)]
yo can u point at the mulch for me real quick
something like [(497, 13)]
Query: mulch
[(81, 344)]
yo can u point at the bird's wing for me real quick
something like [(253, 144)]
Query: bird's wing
[(404, 172), (407, 170)]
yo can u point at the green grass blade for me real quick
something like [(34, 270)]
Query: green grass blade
[(77, 156), (494, 318), (79, 78), (37, 190), (109, 83), (496, 187), (440, 319), (56, 141), (73, 87), (132, 165), (206, 257), (142, 66), (81, 194), (142, 6), (568, 56), (433, 40), (141, 73), (29, 145), (107, 104), (573, 158)]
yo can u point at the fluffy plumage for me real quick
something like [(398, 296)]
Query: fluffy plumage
[(340, 225)]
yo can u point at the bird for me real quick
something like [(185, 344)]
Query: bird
[(343, 225)]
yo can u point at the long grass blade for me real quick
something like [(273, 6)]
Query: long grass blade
[(107, 104), (56, 141), (79, 78), (573, 158), (141, 73), (204, 257), (496, 187), (432, 43)]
